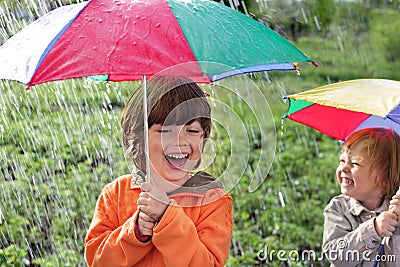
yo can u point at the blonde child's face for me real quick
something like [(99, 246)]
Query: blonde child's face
[(355, 177), (175, 150)]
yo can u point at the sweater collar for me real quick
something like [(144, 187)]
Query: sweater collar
[(199, 183)]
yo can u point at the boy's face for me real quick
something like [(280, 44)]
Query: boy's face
[(355, 177), (175, 150)]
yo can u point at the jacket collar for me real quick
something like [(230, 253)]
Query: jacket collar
[(356, 208)]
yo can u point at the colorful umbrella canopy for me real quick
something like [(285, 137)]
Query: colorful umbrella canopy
[(124, 40), (341, 108)]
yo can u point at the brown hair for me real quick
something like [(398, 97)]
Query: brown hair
[(170, 101), (382, 149)]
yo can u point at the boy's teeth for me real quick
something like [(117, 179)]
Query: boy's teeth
[(177, 160), (346, 181), (176, 156)]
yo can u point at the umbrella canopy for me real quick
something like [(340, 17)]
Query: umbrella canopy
[(124, 40), (341, 108)]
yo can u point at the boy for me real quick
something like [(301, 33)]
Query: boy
[(176, 219)]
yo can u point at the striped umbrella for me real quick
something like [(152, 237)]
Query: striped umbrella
[(125, 40)]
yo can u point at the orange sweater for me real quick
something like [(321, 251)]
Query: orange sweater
[(189, 233)]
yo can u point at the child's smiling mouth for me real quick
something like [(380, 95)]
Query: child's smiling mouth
[(177, 161), (346, 181)]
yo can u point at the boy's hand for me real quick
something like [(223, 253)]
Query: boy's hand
[(395, 206), (145, 224), (152, 201), (385, 223)]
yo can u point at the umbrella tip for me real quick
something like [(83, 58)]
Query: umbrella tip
[(296, 67), (315, 64)]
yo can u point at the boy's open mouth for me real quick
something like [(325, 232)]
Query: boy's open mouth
[(177, 160), (346, 181)]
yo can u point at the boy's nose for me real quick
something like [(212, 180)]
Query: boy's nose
[(181, 138), (345, 166)]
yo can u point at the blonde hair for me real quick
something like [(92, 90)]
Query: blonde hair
[(171, 101), (382, 149)]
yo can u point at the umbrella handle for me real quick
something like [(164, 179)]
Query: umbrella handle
[(380, 250), (146, 129)]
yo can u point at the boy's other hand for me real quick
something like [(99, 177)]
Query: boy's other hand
[(385, 223), (145, 224), (395, 206), (152, 201)]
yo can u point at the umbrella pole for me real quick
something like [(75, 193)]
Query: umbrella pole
[(146, 129), (380, 250)]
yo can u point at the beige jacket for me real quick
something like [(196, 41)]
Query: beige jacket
[(350, 238)]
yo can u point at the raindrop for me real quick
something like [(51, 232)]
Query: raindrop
[(303, 14), (317, 23), (232, 4), (245, 8), (282, 201)]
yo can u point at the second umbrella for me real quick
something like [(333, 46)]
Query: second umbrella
[(341, 108)]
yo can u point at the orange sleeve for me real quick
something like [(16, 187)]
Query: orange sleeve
[(204, 243), (110, 242)]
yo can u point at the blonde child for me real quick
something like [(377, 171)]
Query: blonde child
[(176, 219), (368, 208)]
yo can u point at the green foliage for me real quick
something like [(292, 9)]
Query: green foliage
[(325, 12), (13, 256), (394, 4), (385, 35), (325, 9)]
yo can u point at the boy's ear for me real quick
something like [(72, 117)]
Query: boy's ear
[(382, 183)]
